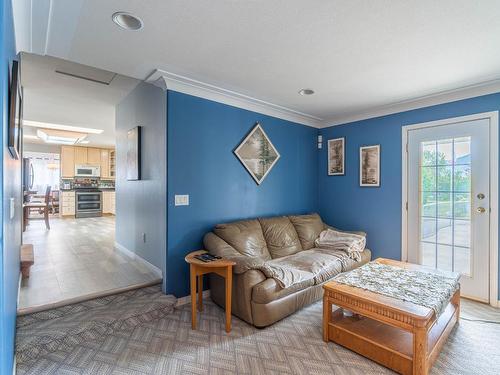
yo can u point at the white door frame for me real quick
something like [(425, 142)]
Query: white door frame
[(493, 117)]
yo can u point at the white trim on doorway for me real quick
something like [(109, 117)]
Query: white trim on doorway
[(493, 117)]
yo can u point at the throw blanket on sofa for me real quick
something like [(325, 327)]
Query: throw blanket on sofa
[(316, 265), (352, 244), (430, 289)]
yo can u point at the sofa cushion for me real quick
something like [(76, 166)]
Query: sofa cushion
[(308, 228), (280, 236), (245, 236)]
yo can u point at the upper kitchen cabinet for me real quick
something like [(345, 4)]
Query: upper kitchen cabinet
[(81, 155), (94, 156), (105, 163), (67, 161)]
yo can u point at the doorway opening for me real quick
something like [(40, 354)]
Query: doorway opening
[(70, 185)]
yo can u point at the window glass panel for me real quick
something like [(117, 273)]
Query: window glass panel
[(428, 254), (428, 204), (462, 177), (462, 150), (462, 260), (428, 229), (445, 231), (444, 205), (462, 205), (428, 179), (445, 257), (444, 178), (428, 156), (462, 233), (445, 152)]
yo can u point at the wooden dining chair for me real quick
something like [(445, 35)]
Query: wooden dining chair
[(43, 207)]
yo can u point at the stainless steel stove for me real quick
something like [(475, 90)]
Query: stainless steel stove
[(88, 198)]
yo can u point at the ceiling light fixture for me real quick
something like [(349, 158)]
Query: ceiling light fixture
[(305, 92), (127, 21), (46, 125), (60, 136), (29, 136)]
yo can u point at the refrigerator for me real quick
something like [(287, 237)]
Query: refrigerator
[(28, 175)]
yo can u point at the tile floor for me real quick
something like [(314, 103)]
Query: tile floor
[(77, 258)]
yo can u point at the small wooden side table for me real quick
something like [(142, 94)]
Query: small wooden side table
[(198, 268)]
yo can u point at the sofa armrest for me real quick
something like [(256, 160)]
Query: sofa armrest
[(358, 232), (217, 246)]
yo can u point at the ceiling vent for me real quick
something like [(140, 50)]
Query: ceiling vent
[(86, 73)]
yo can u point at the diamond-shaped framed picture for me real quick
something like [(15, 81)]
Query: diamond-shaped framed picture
[(257, 154)]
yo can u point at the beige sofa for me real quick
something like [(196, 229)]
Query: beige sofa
[(260, 300)]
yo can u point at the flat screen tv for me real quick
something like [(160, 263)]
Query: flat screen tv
[(15, 112)]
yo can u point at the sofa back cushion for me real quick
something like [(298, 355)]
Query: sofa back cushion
[(308, 228), (245, 236), (280, 235)]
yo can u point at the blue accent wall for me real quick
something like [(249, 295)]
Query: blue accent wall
[(378, 210), (202, 135), (11, 187)]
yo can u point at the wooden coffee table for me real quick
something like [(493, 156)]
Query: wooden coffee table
[(402, 336)]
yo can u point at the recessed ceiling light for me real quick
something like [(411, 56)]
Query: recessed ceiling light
[(46, 125), (127, 21), (306, 92)]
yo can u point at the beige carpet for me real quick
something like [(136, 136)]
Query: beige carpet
[(293, 346)]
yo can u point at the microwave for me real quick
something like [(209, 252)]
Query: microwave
[(87, 171)]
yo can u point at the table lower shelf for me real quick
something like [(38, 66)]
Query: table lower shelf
[(385, 344)]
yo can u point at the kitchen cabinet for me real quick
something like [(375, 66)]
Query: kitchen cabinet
[(104, 163), (109, 202), (67, 162), (67, 203), (93, 156), (73, 155), (112, 163), (81, 155)]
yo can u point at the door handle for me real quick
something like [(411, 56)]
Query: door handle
[(481, 210)]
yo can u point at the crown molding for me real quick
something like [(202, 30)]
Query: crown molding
[(471, 91), (171, 81), (175, 82)]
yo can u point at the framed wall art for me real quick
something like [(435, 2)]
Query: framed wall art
[(134, 154), (369, 166), (336, 157), (257, 154)]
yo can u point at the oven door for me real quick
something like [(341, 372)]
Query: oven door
[(88, 203)]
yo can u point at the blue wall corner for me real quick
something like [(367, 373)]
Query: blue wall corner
[(378, 210), (202, 135), (11, 229)]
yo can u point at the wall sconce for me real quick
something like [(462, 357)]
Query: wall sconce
[(320, 141)]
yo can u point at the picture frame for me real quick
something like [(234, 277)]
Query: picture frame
[(369, 166), (257, 154), (336, 157), (15, 112), (134, 154)]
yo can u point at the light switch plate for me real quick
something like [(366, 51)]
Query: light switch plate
[(12, 208), (182, 200)]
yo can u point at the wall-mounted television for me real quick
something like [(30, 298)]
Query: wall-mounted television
[(15, 112)]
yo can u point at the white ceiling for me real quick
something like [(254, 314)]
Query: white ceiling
[(358, 55), (53, 98)]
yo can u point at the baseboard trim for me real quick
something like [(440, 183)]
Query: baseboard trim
[(187, 299), (132, 255)]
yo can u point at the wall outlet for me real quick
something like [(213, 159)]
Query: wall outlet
[(182, 200), (144, 237)]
